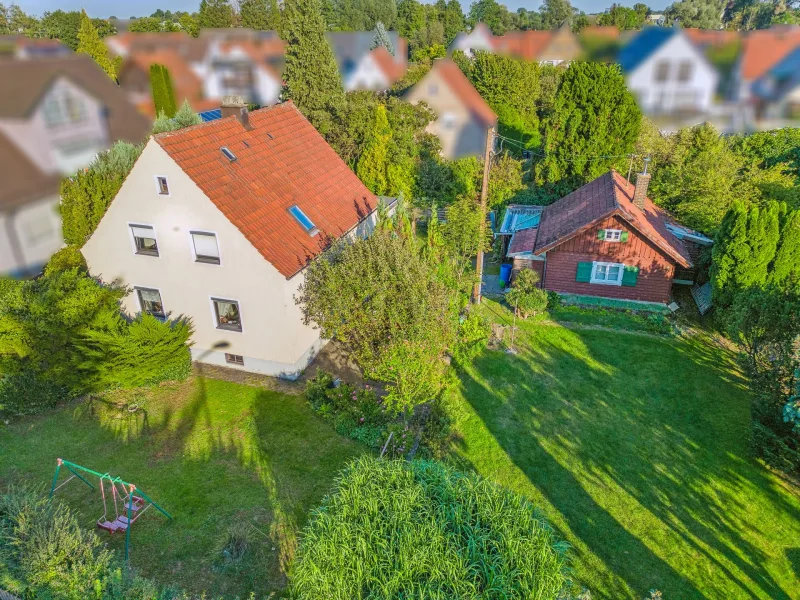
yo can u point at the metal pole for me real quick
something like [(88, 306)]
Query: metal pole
[(78, 475), (487, 163), (55, 477), (128, 528)]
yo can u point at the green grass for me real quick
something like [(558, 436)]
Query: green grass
[(636, 449), (213, 454)]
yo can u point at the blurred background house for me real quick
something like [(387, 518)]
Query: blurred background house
[(56, 114), (365, 68)]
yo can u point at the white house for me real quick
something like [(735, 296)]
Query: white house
[(376, 71), (218, 221), (667, 73), (56, 114), (480, 38)]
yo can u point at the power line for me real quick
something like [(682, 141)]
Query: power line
[(580, 157)]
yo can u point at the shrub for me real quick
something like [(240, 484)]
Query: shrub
[(779, 452), (554, 299), (393, 529), (67, 258), (25, 394), (526, 298), (471, 337)]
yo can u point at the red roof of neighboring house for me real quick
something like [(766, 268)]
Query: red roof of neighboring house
[(608, 194), (282, 161), (527, 45), (523, 240), (461, 87), (604, 31), (387, 63), (711, 37), (185, 82), (764, 48)]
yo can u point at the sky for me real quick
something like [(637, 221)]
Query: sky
[(141, 8)]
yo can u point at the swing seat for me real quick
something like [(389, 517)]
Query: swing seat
[(112, 527), (137, 504)]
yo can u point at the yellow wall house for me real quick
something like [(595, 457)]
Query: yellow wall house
[(217, 222)]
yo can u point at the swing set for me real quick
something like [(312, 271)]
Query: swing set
[(125, 495)]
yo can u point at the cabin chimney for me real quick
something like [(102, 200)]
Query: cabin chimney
[(640, 191), (232, 106)]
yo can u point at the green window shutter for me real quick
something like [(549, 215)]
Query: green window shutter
[(584, 274), (624, 236), (630, 275), (601, 235)]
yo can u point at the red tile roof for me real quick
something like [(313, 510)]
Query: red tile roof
[(281, 162), (764, 48), (461, 87), (527, 45), (608, 194), (185, 82), (711, 37), (393, 68), (600, 31), (523, 240)]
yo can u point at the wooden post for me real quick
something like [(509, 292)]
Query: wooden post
[(487, 163)]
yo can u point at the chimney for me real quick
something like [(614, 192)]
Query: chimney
[(640, 191), (232, 105)]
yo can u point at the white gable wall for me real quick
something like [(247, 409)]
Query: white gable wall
[(367, 76), (274, 340), (696, 94)]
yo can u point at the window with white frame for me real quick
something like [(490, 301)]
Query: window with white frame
[(607, 273), (613, 235), (227, 315), (150, 302), (205, 247), (234, 359), (60, 109), (162, 185), (144, 238)]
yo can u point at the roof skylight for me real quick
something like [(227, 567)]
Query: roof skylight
[(301, 217), (228, 154)]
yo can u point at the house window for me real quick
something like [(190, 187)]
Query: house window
[(226, 313), (662, 71), (607, 273), (613, 235), (234, 359), (228, 154), (163, 186), (433, 89), (60, 109), (205, 247), (449, 120), (685, 71), (301, 217), (144, 237), (150, 302)]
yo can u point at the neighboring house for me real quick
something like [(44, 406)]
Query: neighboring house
[(480, 38), (668, 73), (190, 49), (134, 79), (218, 221), (776, 95), (56, 114), (22, 47), (463, 116), (363, 68), (546, 47), (761, 51), (605, 239)]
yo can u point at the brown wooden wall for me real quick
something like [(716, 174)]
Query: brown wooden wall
[(521, 263), (656, 269)]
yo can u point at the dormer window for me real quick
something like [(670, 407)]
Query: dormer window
[(228, 154), (304, 221), (162, 185)]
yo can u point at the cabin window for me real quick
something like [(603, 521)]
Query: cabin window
[(607, 273), (613, 235)]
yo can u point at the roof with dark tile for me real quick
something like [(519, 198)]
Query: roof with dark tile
[(23, 182), (523, 241), (639, 49), (608, 194), (464, 90), (282, 161)]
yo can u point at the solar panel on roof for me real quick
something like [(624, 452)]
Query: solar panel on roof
[(210, 115)]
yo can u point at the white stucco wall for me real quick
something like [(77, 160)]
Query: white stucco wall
[(367, 76), (29, 235), (479, 38), (62, 148), (273, 340), (672, 95)]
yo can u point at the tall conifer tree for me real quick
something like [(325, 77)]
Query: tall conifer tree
[(89, 42), (371, 168)]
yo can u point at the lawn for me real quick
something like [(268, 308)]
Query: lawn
[(213, 454), (635, 447)]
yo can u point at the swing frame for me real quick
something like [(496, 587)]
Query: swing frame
[(130, 498)]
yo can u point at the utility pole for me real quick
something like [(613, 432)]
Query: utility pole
[(487, 163)]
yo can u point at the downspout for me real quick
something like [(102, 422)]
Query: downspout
[(13, 239), (544, 271)]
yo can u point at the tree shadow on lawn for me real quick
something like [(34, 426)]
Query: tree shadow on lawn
[(213, 454), (577, 418)]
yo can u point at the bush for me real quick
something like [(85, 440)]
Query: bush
[(471, 337), (554, 299), (25, 394), (393, 529), (524, 295), (780, 452), (69, 257)]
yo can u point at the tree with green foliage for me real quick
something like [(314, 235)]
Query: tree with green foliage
[(262, 15), (525, 295), (162, 90), (593, 116), (215, 14), (63, 26), (622, 17), (363, 15), (465, 529), (763, 231), (703, 14), (452, 19), (86, 196), (731, 249), (372, 165), (580, 22), (68, 257), (461, 239), (371, 293), (89, 42), (185, 117), (189, 24), (311, 77), (410, 17), (493, 14), (505, 180), (382, 38), (555, 13), (785, 270), (146, 25)]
